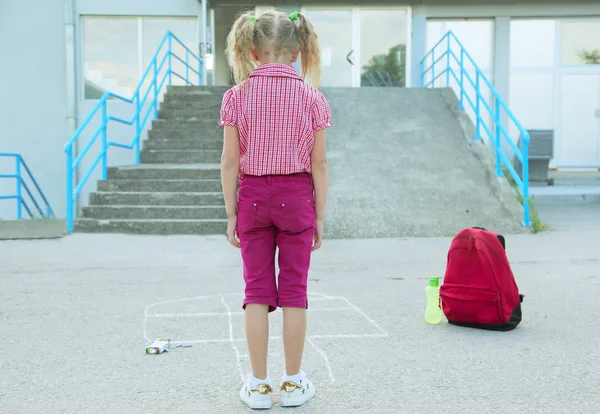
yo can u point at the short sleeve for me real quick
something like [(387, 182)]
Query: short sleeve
[(228, 111), (321, 113)]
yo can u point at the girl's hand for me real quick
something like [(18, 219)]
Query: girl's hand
[(232, 234), (318, 235)]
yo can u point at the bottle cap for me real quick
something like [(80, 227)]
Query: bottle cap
[(434, 281)]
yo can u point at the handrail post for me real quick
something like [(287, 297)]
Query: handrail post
[(448, 63), (477, 115), (187, 67), (433, 67), (138, 132), (461, 105), (19, 197), (169, 59), (104, 142), (525, 175), (422, 74), (498, 143), (155, 84), (69, 190), (200, 63)]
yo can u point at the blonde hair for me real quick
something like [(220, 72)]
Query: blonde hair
[(280, 34)]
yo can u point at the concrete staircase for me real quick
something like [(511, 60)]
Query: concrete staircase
[(176, 189), (402, 163)]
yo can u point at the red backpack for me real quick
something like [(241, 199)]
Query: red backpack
[(479, 289)]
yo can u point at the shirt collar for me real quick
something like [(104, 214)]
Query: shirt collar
[(276, 69)]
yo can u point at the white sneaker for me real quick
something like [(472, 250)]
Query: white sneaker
[(257, 397), (293, 394)]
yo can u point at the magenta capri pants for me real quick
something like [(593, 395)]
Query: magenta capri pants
[(276, 211)]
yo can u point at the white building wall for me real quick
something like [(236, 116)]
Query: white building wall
[(529, 73), (33, 97)]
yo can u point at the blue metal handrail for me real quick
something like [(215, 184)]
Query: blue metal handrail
[(138, 120), (447, 57), (20, 168)]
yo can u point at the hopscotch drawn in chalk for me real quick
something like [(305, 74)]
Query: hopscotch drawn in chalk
[(218, 323)]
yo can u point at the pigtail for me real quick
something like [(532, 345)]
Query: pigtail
[(309, 50), (240, 43)]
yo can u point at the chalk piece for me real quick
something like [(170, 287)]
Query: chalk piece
[(159, 346)]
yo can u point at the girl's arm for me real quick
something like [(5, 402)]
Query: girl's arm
[(318, 160), (230, 165)]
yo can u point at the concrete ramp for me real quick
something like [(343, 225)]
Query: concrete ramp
[(403, 163)]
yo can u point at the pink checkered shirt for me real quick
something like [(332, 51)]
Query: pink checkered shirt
[(276, 114)]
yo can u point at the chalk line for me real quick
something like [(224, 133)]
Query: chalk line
[(233, 345), (203, 341), (324, 356), (218, 341), (364, 315), (201, 314), (278, 338), (165, 302), (348, 336), (191, 315)]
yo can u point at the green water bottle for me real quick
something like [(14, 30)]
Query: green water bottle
[(433, 312)]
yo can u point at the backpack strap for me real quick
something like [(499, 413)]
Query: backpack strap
[(498, 235)]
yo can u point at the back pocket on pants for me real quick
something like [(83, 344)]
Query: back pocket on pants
[(246, 215), (299, 215)]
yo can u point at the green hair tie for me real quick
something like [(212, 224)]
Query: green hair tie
[(294, 16), (253, 18)]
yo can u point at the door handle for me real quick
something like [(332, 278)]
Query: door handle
[(598, 113), (348, 57)]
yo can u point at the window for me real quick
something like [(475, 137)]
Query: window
[(383, 36), (532, 43), (117, 50), (580, 42)]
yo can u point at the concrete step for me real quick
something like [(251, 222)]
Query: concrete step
[(565, 194), (161, 186), (208, 131), (197, 125), (166, 172), (192, 97), (212, 103), (127, 212), (180, 157), (178, 90), (214, 144), (190, 114), (157, 198), (33, 229), (154, 227)]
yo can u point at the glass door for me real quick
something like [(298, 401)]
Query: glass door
[(209, 56), (578, 143), (335, 28), (383, 47), (579, 121)]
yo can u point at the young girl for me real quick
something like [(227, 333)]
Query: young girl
[(274, 176)]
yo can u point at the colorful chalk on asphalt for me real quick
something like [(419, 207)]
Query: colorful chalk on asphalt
[(159, 346)]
